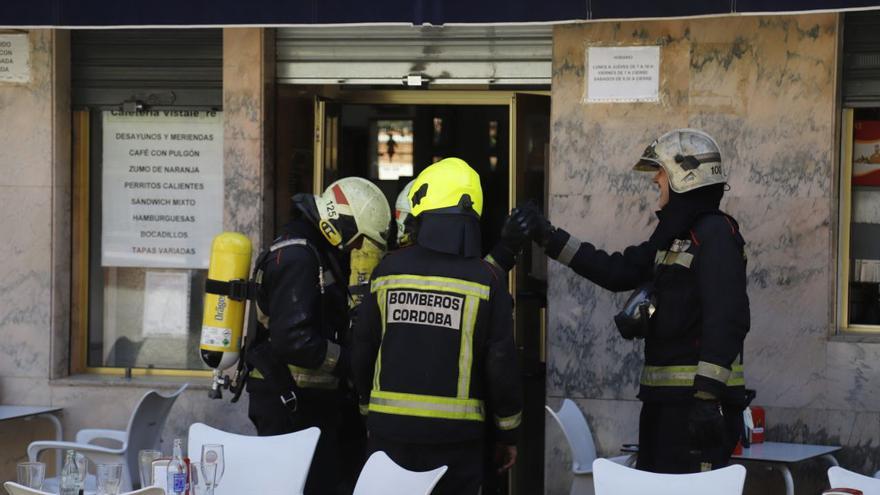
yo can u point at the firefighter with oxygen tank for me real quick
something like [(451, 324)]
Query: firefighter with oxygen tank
[(304, 288)]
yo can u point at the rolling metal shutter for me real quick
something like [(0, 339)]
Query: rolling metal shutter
[(499, 55), (159, 67), (861, 59)]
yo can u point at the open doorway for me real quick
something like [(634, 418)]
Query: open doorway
[(389, 137)]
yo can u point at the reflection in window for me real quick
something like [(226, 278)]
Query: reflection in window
[(394, 144), (493, 134), (438, 131), (864, 248)]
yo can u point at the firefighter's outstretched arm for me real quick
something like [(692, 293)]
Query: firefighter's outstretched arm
[(614, 271), (367, 337), (721, 274), (502, 367), (295, 308)]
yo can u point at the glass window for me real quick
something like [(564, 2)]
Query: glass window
[(154, 202), (860, 220)]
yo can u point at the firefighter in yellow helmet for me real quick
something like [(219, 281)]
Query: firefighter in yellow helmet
[(433, 356), (514, 233), (299, 358)]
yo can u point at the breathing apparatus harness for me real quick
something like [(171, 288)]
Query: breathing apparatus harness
[(257, 355)]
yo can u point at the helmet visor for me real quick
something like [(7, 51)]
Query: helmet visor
[(649, 161)]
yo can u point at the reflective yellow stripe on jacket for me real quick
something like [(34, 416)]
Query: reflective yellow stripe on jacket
[(461, 406), (683, 376), (426, 406)]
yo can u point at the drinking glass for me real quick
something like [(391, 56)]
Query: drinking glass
[(196, 480), (31, 474), (109, 478), (145, 463), (212, 465)]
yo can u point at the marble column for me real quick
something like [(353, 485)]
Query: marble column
[(248, 115)]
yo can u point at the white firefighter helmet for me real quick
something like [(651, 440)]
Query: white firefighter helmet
[(402, 211), (690, 157), (351, 208)]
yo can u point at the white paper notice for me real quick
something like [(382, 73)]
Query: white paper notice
[(15, 58), (162, 196), (166, 304), (623, 74)]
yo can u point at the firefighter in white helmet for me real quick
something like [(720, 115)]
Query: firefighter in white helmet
[(690, 306), (299, 358)]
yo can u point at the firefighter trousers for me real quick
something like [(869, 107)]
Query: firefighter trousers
[(664, 446), (339, 455), (464, 459)]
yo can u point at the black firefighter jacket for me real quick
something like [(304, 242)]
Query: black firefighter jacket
[(702, 310), (306, 329), (433, 356)]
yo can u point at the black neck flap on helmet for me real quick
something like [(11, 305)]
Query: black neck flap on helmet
[(452, 233), (304, 204)]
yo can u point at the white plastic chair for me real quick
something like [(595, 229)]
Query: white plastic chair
[(150, 490), (273, 465), (144, 431), (16, 489), (843, 478), (382, 476), (614, 479), (583, 450)]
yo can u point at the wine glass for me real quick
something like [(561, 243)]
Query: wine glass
[(212, 465)]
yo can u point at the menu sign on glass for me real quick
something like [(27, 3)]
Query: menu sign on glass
[(162, 188)]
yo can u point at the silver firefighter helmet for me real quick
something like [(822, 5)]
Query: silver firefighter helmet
[(690, 157)]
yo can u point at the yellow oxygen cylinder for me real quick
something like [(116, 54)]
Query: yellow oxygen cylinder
[(363, 260), (223, 318)]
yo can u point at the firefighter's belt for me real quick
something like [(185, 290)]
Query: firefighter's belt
[(237, 290), (274, 373), (426, 406), (683, 376), (307, 377)]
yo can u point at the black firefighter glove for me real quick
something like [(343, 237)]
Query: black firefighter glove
[(518, 226), (543, 230), (705, 424)]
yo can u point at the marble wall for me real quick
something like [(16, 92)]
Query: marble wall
[(765, 88)]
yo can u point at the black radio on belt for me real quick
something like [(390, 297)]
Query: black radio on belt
[(634, 319)]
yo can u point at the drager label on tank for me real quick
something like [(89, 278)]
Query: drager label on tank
[(424, 308), (216, 336)]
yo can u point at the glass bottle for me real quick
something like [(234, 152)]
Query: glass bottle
[(177, 473), (70, 474)]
